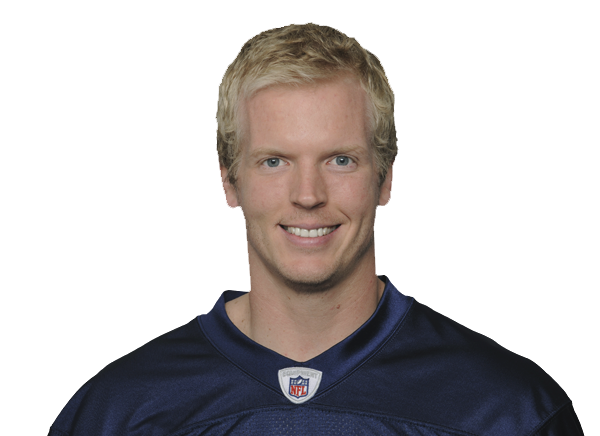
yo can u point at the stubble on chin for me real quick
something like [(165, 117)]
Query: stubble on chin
[(311, 284)]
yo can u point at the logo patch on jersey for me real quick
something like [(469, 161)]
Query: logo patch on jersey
[(299, 387), (299, 384)]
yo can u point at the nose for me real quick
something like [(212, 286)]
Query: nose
[(308, 189)]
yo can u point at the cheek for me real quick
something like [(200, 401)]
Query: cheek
[(261, 199), (358, 197)]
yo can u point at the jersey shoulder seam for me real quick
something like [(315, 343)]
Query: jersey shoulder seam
[(548, 418)]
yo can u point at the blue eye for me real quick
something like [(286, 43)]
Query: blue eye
[(342, 161), (273, 162)]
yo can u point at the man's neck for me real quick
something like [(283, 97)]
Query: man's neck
[(301, 326)]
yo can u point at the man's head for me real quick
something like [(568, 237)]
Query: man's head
[(307, 154), (299, 55)]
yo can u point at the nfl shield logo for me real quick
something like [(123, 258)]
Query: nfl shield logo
[(299, 387), (299, 384)]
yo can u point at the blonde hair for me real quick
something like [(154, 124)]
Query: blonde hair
[(302, 54)]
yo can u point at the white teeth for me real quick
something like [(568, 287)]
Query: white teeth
[(313, 233)]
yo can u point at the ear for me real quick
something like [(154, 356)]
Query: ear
[(385, 190), (230, 191)]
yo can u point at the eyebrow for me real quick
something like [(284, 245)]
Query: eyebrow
[(354, 149), (348, 149), (265, 152)]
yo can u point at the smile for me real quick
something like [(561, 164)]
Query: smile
[(313, 233)]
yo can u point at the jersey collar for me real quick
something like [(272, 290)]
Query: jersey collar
[(336, 363)]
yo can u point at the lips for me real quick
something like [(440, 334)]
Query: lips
[(309, 233)]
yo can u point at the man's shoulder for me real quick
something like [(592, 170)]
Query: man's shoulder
[(435, 370), (159, 370), (471, 357), (429, 345), (157, 356)]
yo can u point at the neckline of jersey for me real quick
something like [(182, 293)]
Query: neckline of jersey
[(336, 363)]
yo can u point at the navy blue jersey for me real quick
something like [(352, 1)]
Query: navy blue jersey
[(407, 371)]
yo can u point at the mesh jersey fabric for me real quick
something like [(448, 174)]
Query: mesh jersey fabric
[(407, 371)]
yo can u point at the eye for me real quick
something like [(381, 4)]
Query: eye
[(342, 161), (273, 162)]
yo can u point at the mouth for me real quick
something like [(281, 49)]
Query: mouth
[(309, 233)]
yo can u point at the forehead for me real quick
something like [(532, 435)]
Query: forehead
[(327, 113)]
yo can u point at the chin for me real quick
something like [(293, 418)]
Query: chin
[(311, 281)]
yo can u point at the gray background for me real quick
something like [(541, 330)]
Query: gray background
[(461, 234)]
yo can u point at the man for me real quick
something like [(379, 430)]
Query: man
[(320, 345)]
